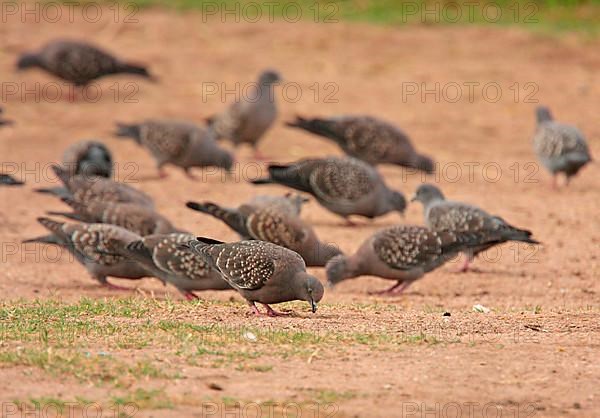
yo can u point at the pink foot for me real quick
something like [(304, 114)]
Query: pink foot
[(190, 296), (396, 289), (271, 312)]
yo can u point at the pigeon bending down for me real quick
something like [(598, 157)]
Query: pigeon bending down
[(402, 253), (560, 148), (345, 186), (368, 139), (95, 246), (78, 63), (181, 144), (271, 225), (88, 158), (168, 260), (85, 189), (261, 272), (247, 120), (138, 219), (8, 180), (446, 215)]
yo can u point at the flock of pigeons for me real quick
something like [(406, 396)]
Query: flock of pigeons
[(115, 231)]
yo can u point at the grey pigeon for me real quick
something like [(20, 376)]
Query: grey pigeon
[(271, 225), (560, 148), (139, 219), (4, 121), (345, 186), (85, 189), (95, 247), (167, 259), (8, 180), (261, 272), (88, 158), (181, 144), (446, 215), (368, 139), (290, 204), (77, 62), (401, 253), (247, 120)]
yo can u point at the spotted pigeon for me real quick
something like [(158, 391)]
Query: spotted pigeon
[(261, 272), (441, 215), (139, 219), (401, 253), (78, 62), (179, 143), (560, 148), (95, 247), (368, 139), (272, 225), (88, 158), (85, 189), (247, 120), (345, 186), (167, 259)]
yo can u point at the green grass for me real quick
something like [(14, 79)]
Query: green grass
[(544, 15)]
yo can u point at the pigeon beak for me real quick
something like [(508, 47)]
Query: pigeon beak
[(313, 305)]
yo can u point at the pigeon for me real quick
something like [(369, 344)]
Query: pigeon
[(271, 225), (88, 158), (344, 186), (182, 144), (8, 180), (403, 253), (85, 189), (368, 139), (560, 148), (4, 121), (247, 120), (78, 63), (139, 219), (441, 214), (290, 204), (261, 272), (167, 259), (95, 247)]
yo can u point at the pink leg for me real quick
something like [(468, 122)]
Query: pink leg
[(254, 309), (396, 289), (190, 296), (272, 312), (162, 174)]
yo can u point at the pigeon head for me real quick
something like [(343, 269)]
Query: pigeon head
[(96, 162), (543, 114), (338, 269), (427, 193), (28, 61), (424, 163), (397, 201), (225, 160), (310, 289), (269, 77)]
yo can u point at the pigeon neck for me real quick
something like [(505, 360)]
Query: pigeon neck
[(321, 254)]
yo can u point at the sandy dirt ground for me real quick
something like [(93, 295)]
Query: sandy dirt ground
[(532, 355)]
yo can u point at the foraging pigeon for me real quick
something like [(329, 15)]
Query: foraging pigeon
[(368, 139), (95, 247), (445, 215), (88, 158), (84, 189), (345, 186), (139, 219), (261, 272), (271, 225), (167, 259), (77, 62), (178, 143), (402, 253), (8, 180), (246, 121), (560, 148)]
